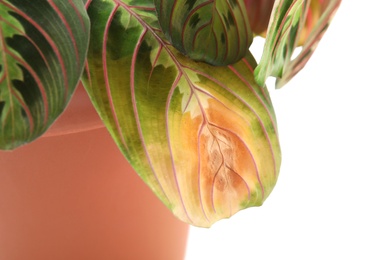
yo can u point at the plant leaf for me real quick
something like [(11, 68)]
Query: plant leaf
[(202, 137), (217, 32), (259, 12), (319, 16), (293, 23), (43, 44), (281, 38)]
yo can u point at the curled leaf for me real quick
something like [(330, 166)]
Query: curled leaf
[(315, 12), (317, 21), (203, 138), (43, 45), (215, 31), (293, 23)]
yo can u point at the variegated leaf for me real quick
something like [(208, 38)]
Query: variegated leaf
[(281, 38), (293, 23), (317, 22), (202, 137), (259, 12), (43, 44), (215, 31)]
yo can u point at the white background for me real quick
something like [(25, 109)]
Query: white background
[(332, 199)]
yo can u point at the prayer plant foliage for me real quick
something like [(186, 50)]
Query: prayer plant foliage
[(173, 82)]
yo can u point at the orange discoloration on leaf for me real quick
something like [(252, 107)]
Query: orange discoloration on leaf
[(226, 174)]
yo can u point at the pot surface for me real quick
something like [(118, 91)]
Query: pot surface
[(79, 115), (72, 195)]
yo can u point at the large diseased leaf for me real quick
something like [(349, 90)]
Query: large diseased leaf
[(215, 31), (293, 23), (202, 137), (43, 44)]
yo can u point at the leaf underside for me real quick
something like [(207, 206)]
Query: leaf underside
[(214, 31), (43, 45), (259, 12), (202, 137), (292, 25)]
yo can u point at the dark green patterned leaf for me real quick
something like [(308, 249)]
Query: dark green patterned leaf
[(43, 44), (217, 32)]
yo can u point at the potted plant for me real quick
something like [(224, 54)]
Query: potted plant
[(178, 91)]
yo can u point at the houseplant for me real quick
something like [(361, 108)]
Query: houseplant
[(173, 82)]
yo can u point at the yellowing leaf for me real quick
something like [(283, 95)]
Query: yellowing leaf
[(203, 138)]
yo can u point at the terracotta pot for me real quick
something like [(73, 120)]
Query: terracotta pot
[(72, 195)]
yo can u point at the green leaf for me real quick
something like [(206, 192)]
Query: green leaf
[(293, 23), (43, 44), (281, 38), (203, 138), (317, 21), (217, 32)]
